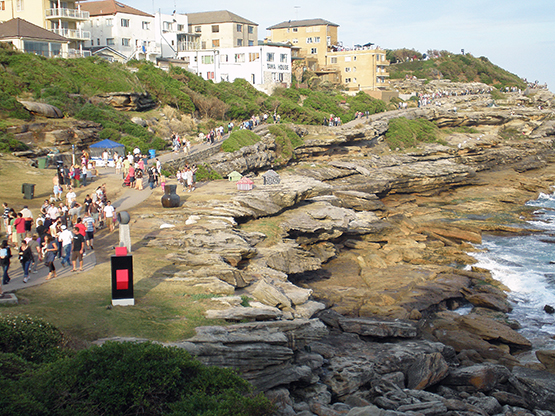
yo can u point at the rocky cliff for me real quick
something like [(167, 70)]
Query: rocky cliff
[(354, 297)]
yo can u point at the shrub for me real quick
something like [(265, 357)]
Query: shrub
[(12, 108), (9, 144), (142, 378), (286, 141), (403, 133), (30, 338), (238, 139), (206, 173)]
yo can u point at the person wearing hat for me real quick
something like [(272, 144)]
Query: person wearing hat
[(65, 238)]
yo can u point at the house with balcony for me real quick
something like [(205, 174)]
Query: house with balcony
[(223, 29), (317, 48), (64, 18), (263, 66), (129, 31), (313, 37), (359, 68), (172, 34), (30, 38)]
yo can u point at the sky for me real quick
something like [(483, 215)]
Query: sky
[(518, 36)]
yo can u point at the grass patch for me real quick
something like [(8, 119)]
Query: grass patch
[(460, 129), (239, 139), (286, 141), (510, 133), (267, 226), (404, 134)]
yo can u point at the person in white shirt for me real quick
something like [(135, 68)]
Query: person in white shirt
[(109, 212), (70, 197), (65, 238)]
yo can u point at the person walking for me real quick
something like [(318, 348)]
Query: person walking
[(65, 238), (5, 255), (109, 214), (89, 223), (78, 245), (50, 251), (25, 258)]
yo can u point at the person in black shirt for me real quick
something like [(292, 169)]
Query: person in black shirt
[(77, 249)]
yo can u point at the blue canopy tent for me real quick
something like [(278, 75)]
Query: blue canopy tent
[(111, 146)]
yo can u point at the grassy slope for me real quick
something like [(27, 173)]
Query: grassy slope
[(459, 68)]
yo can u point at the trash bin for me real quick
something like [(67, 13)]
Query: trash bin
[(42, 162), (28, 190), (152, 153)]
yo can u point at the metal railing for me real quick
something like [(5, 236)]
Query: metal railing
[(73, 33), (61, 13)]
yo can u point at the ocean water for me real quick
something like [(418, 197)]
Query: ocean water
[(526, 265)]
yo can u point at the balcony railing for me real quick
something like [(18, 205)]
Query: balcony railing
[(187, 46), (73, 34), (67, 14), (148, 50), (76, 53)]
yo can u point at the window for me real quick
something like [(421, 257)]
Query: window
[(239, 42), (283, 57), (203, 43), (308, 40), (97, 41), (124, 22), (239, 28), (180, 28), (347, 69), (109, 22), (254, 57), (239, 57), (215, 28), (2, 5), (210, 75), (125, 41), (224, 58), (215, 43), (317, 39), (354, 58), (295, 40), (146, 25), (295, 29), (354, 80), (270, 57), (328, 40), (251, 42), (166, 26), (347, 80), (316, 29), (110, 42), (347, 59), (354, 69), (333, 60), (251, 30), (19, 5), (198, 29), (207, 59), (308, 29), (313, 51)]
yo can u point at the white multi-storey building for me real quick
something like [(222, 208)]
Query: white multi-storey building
[(171, 33), (125, 29), (264, 66)]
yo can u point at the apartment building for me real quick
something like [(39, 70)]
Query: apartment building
[(65, 18), (172, 34), (124, 29), (318, 49), (264, 66), (359, 68), (313, 37), (223, 29)]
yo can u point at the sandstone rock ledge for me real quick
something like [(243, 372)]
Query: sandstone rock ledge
[(366, 268)]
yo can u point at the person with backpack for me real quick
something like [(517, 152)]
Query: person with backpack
[(5, 255)]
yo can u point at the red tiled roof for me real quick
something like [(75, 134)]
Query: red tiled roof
[(110, 7)]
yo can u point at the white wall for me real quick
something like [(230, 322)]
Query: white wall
[(166, 28), (254, 64)]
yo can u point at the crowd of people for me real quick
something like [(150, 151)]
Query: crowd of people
[(63, 229)]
